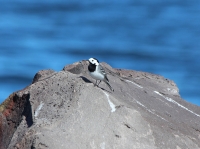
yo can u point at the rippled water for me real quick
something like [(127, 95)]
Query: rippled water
[(152, 36)]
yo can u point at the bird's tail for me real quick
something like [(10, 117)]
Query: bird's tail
[(109, 86)]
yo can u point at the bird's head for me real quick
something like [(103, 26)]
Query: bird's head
[(94, 61)]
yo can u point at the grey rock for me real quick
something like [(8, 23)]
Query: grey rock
[(66, 111)]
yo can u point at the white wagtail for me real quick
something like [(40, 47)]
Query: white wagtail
[(97, 72)]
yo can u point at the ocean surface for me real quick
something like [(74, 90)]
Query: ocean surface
[(160, 37)]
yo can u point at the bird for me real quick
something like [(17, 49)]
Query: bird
[(97, 72)]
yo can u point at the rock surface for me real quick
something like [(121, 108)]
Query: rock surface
[(63, 109)]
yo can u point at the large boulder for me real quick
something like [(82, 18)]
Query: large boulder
[(64, 109)]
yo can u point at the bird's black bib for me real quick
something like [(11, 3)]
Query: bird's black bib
[(92, 67)]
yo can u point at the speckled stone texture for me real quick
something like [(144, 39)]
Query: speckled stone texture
[(65, 110)]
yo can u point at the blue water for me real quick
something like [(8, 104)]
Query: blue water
[(161, 37)]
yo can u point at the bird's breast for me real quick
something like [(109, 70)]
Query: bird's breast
[(97, 76)]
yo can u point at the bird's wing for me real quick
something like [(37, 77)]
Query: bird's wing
[(103, 72), (110, 72), (102, 69)]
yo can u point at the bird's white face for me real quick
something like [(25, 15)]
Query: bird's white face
[(94, 61)]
